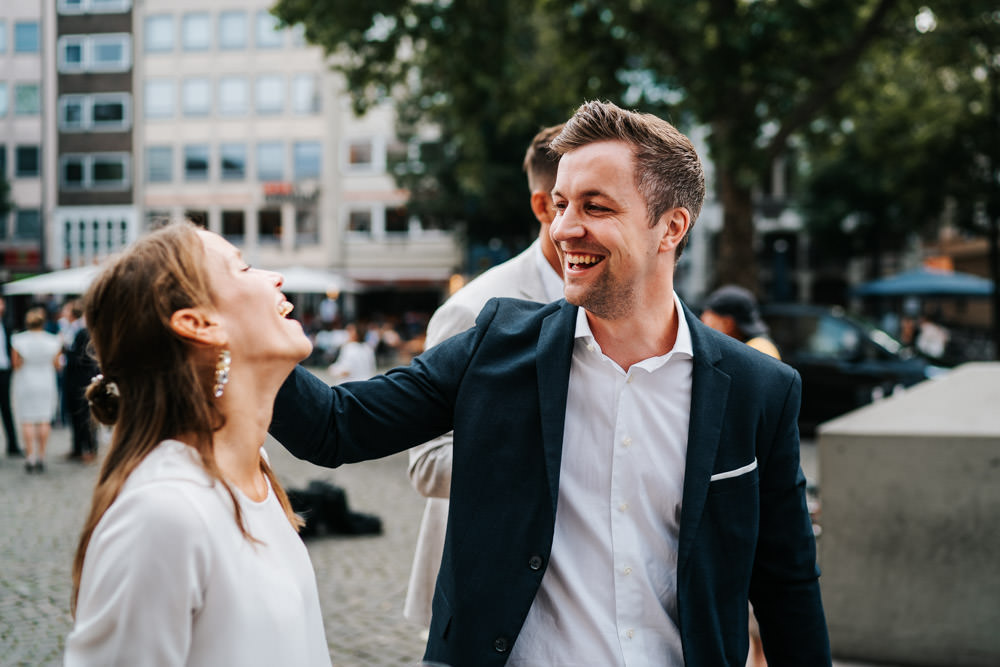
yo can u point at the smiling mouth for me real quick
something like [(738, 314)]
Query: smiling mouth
[(580, 261), (285, 307)]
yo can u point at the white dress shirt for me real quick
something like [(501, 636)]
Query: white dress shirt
[(552, 282), (609, 595)]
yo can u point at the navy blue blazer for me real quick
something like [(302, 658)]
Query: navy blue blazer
[(502, 388)]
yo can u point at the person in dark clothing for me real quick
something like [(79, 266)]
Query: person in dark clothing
[(80, 368), (13, 448)]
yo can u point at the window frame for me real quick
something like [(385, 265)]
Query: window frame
[(89, 45), (226, 45), (151, 164), (164, 84), (88, 163), (18, 110), (226, 150), (188, 85), (87, 121), (151, 46), (264, 26), (196, 47), (37, 37), (225, 107), (186, 156), (18, 172)]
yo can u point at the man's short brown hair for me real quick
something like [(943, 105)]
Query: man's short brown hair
[(540, 163)]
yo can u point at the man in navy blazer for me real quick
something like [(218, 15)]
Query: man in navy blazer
[(624, 478)]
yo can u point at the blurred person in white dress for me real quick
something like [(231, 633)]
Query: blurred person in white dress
[(190, 555), (35, 357), (356, 360)]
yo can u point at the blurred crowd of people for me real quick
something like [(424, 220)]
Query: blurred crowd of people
[(45, 367)]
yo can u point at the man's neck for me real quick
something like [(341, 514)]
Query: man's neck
[(627, 341)]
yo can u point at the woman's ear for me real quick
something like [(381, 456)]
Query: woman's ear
[(197, 326)]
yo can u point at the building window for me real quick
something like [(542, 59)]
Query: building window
[(268, 35), (306, 226), (233, 161), (233, 95), (270, 161), (196, 162), (111, 111), (196, 31), (104, 111), (160, 164), (110, 171), (305, 94), (97, 171), (306, 159), (27, 99), (196, 96), (269, 225), (3, 36), (396, 220), (26, 37), (158, 98), (270, 94), (71, 58), (3, 161), (95, 53), (159, 33), (28, 224), (3, 99), (360, 154), (199, 218), (27, 161), (359, 221), (234, 226), (110, 53), (73, 172), (233, 30)]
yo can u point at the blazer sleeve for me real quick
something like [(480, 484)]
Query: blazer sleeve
[(784, 587), (357, 421), (430, 463)]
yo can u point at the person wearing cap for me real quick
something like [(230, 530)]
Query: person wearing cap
[(733, 310)]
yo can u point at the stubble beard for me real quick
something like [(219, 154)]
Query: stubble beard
[(607, 298)]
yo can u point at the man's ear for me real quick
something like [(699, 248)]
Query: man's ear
[(197, 326), (677, 222), (542, 206)]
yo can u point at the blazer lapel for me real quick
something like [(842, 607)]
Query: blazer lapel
[(553, 360), (709, 393)]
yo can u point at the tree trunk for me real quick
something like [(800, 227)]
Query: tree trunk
[(736, 262)]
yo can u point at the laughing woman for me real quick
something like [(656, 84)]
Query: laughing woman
[(189, 555)]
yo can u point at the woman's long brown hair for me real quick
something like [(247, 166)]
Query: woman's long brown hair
[(163, 383)]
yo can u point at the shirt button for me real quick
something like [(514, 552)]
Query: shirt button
[(623, 507), (500, 645), (627, 441), (535, 562), (628, 571), (628, 380), (630, 633)]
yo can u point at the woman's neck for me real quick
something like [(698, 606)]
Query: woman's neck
[(246, 407)]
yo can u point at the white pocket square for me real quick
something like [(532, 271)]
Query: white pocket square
[(735, 473)]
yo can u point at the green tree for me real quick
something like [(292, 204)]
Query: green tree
[(489, 73), (913, 144)]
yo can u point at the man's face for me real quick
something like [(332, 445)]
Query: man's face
[(602, 229)]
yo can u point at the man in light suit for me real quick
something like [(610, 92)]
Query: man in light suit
[(535, 275), (624, 478)]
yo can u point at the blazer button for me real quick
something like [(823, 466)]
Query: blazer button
[(535, 562), (501, 644)]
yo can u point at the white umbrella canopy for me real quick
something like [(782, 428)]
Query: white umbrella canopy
[(63, 282), (303, 280)]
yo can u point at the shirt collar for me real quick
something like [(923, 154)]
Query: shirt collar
[(682, 344), (552, 282)]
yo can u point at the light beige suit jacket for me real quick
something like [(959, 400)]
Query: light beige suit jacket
[(430, 463)]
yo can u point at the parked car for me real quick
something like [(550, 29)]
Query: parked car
[(845, 362)]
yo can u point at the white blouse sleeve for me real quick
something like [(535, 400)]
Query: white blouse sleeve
[(143, 581)]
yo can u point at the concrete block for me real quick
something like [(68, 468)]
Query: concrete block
[(910, 548)]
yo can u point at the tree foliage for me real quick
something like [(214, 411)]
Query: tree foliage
[(912, 147), (489, 73)]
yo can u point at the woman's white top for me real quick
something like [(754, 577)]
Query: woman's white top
[(168, 578), (35, 392)]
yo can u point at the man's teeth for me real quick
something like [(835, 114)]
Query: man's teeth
[(583, 259), (285, 307)]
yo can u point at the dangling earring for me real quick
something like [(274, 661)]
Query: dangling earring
[(222, 372)]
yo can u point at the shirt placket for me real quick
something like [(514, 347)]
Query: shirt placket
[(624, 547)]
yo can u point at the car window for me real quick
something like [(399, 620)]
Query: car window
[(833, 338)]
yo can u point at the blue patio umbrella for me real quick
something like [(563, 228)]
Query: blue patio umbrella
[(927, 283)]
